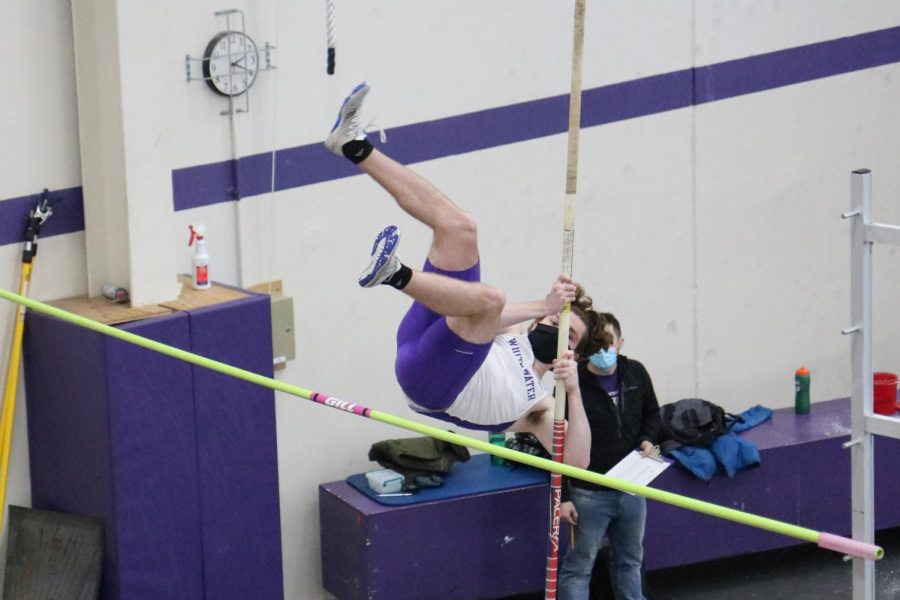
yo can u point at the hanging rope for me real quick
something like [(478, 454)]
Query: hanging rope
[(329, 24), (559, 412)]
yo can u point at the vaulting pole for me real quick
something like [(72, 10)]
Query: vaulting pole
[(559, 411), (824, 540)]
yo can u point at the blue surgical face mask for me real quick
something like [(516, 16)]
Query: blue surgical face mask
[(604, 359)]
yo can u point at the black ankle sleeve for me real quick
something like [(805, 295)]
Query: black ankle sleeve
[(357, 150), (400, 278)]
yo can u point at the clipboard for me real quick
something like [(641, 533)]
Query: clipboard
[(638, 469)]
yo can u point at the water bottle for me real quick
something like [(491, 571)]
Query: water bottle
[(801, 391), (498, 438)]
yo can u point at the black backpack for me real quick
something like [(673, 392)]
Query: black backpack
[(693, 422)]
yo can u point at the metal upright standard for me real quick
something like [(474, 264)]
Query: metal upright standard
[(864, 422)]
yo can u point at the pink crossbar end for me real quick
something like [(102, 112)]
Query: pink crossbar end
[(851, 547)]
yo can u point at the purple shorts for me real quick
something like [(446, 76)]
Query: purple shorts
[(433, 363)]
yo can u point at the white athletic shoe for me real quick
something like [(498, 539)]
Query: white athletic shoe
[(347, 126), (383, 261)]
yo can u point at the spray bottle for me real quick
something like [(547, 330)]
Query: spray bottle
[(200, 262)]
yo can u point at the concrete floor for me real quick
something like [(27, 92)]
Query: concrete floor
[(803, 572), (799, 573)]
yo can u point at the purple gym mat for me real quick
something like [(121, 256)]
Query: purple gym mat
[(179, 462), (111, 436), (236, 452)]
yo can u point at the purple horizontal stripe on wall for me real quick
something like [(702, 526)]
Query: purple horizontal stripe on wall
[(312, 163), (216, 182), (796, 65), (638, 98), (213, 183), (67, 217)]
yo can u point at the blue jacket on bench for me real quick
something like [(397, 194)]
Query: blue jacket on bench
[(728, 452)]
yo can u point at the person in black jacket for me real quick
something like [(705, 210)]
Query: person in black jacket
[(623, 415)]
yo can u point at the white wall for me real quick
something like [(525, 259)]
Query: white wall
[(39, 149), (713, 232)]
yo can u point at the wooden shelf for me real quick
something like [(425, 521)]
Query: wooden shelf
[(189, 298), (104, 311)]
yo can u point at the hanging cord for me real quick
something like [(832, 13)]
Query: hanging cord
[(236, 174), (265, 243), (329, 23)]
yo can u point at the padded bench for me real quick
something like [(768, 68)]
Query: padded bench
[(493, 544), (803, 479)]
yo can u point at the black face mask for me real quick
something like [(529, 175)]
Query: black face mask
[(543, 341)]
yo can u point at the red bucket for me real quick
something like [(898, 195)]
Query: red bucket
[(885, 393)]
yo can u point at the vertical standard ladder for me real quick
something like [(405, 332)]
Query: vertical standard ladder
[(864, 424)]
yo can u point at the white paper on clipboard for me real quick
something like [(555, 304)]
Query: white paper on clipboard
[(638, 469)]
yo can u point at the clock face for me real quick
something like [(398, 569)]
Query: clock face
[(230, 63)]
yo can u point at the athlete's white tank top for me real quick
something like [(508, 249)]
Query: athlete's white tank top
[(504, 388)]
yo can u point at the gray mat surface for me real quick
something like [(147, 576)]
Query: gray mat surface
[(52, 555)]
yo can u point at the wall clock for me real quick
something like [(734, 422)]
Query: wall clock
[(230, 63)]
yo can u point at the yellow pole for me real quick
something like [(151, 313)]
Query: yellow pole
[(9, 395), (823, 539), (36, 218)]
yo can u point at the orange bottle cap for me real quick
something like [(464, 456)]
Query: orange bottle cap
[(802, 371)]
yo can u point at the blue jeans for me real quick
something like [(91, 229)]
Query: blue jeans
[(618, 516)]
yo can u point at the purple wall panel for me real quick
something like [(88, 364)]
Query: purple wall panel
[(498, 540), (237, 454), (70, 469), (154, 463), (179, 462), (115, 442)]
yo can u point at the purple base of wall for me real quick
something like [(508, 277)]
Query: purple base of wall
[(494, 544)]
